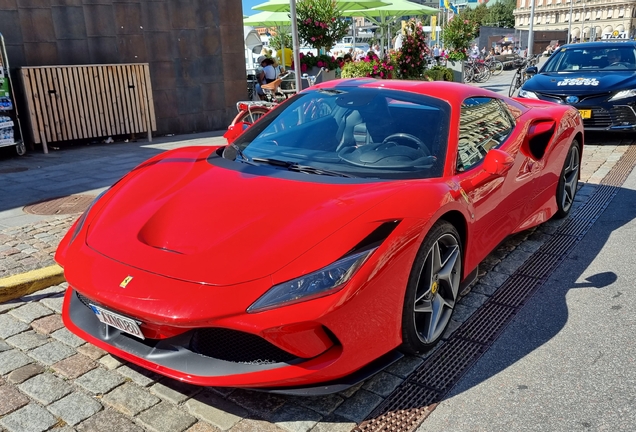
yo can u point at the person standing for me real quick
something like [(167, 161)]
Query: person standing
[(436, 53)]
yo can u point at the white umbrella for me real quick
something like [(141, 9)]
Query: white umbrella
[(384, 15), (290, 6)]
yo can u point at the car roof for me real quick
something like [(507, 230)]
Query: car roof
[(601, 44)]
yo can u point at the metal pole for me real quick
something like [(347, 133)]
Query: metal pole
[(296, 53), (531, 30), (583, 22), (570, 24)]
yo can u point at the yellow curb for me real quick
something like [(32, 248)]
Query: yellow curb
[(16, 286)]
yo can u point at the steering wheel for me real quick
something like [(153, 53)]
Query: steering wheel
[(618, 63), (410, 139)]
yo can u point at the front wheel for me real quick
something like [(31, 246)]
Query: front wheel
[(251, 115), (497, 67), (515, 84), (432, 289), (568, 181)]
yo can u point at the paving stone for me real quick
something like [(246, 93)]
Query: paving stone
[(54, 303), (51, 352), (45, 388), (11, 399), (211, 408), (47, 325), (295, 418), (24, 373), (31, 418), (12, 360), (358, 406), (4, 346), (487, 290), (91, 351), (245, 425), (405, 366), (110, 362), (205, 427), (262, 404), (334, 423), (382, 383), (494, 279), (463, 312), (68, 338), (165, 417), (474, 299), (141, 377), (11, 304), (75, 408), (130, 399), (512, 262), (10, 326), (323, 405), (30, 312), (99, 381), (174, 391), (108, 421), (74, 366), (450, 329), (27, 340)]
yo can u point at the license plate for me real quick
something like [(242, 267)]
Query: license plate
[(585, 114), (120, 322)]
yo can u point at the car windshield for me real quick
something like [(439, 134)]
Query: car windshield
[(353, 131), (601, 58)]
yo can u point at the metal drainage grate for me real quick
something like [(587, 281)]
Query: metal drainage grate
[(409, 404), (58, 206)]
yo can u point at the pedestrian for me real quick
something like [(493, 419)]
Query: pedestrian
[(436, 53)]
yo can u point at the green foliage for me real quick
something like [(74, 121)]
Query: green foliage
[(439, 73), (411, 57), (319, 23), (308, 61), (501, 14), (371, 67), (478, 15), (275, 41), (458, 34)]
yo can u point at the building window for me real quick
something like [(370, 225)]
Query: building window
[(598, 14), (621, 12), (588, 15), (610, 12)]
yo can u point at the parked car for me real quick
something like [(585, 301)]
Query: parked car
[(330, 237), (597, 78)]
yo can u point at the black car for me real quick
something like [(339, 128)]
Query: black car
[(598, 78)]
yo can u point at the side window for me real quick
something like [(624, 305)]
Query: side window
[(484, 123)]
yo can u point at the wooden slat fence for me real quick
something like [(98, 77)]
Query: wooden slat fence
[(88, 101)]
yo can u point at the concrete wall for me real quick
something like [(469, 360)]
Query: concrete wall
[(194, 48)]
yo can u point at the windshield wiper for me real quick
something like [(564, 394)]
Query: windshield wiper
[(293, 166)]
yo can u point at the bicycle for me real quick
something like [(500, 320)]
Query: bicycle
[(496, 67), (520, 75), (251, 111)]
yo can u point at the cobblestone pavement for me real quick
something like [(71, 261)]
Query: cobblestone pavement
[(52, 380)]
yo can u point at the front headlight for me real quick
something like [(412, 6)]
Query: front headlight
[(528, 94), (320, 283), (623, 94)]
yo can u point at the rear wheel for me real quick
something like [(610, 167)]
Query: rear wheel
[(432, 289), (568, 181), (251, 115), (517, 80), (497, 67)]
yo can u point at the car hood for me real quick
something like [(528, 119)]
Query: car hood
[(574, 83), (186, 218)]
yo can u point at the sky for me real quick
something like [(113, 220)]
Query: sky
[(247, 6)]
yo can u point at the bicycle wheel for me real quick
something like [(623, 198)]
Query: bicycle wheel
[(469, 73), (251, 115), (515, 84), (482, 74), (496, 67)]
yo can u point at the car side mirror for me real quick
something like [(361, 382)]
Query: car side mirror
[(532, 71), (496, 164), (235, 130)]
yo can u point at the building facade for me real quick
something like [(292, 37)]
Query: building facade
[(585, 19), (194, 49)]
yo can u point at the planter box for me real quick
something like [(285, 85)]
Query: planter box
[(458, 70), (326, 75)]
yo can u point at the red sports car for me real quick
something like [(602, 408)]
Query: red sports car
[(329, 237)]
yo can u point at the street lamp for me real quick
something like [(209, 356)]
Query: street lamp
[(531, 29)]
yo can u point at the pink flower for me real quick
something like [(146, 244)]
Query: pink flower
[(303, 68), (320, 64)]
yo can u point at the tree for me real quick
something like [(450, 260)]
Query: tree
[(280, 39), (501, 14), (458, 34), (319, 23), (479, 15)]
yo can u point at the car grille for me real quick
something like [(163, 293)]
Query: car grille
[(224, 344), (237, 347), (616, 116)]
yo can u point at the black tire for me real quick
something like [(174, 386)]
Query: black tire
[(252, 115), (568, 181), (516, 83), (432, 289)]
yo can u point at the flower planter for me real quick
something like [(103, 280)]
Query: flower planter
[(326, 75), (458, 70)]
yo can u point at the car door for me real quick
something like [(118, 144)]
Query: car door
[(496, 203)]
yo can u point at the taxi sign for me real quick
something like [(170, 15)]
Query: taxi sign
[(620, 35)]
